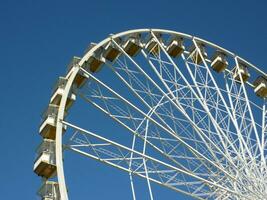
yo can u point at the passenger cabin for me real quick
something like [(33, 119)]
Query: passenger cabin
[(152, 45), (49, 191), (48, 126), (74, 61), (111, 51), (242, 71), (195, 55), (219, 62), (175, 47), (80, 77), (45, 163), (260, 85), (58, 92), (95, 61), (132, 45)]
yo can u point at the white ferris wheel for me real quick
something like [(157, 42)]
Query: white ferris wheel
[(171, 108)]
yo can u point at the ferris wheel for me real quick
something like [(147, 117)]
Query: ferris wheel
[(168, 107)]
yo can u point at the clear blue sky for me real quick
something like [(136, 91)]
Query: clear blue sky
[(38, 38)]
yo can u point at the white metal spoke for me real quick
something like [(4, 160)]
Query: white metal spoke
[(120, 160), (160, 126)]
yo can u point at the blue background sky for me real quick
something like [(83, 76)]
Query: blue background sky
[(38, 38)]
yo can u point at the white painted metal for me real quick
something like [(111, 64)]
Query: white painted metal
[(59, 133), (215, 148)]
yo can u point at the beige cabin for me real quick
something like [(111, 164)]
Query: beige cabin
[(45, 163), (95, 61), (111, 51), (58, 92), (80, 78), (132, 45), (152, 45), (74, 61), (241, 71), (195, 55), (48, 125), (219, 62), (260, 87), (175, 48), (49, 191)]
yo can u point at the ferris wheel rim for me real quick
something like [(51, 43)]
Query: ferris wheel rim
[(171, 32), (74, 71)]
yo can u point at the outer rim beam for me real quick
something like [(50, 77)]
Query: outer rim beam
[(88, 54), (60, 117)]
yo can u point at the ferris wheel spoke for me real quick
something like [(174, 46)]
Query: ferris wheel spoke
[(204, 106), (264, 134), (145, 162), (250, 111), (152, 99), (232, 91), (220, 162), (173, 134), (159, 74), (248, 166), (209, 74), (181, 109), (221, 97), (220, 132), (136, 93), (130, 167), (117, 155), (164, 142), (243, 123), (211, 103), (181, 73)]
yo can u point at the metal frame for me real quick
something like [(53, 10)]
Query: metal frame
[(203, 87)]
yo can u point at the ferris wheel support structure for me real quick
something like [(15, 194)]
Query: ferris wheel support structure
[(227, 142)]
